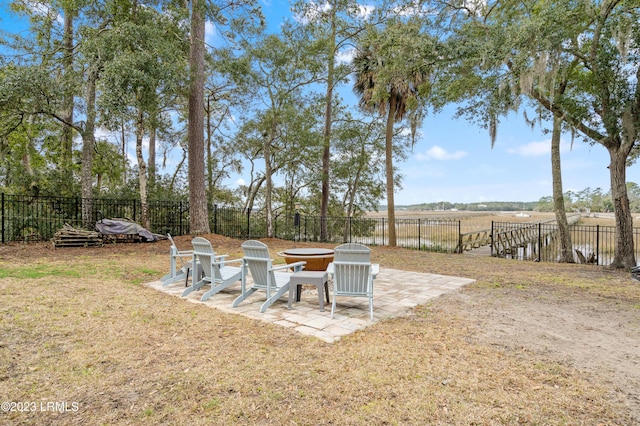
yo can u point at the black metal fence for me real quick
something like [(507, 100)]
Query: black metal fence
[(437, 235), (26, 219)]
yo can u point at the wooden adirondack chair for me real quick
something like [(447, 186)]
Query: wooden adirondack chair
[(177, 256), (216, 270), (266, 277), (353, 273)]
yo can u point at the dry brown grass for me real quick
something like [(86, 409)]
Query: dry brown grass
[(79, 327)]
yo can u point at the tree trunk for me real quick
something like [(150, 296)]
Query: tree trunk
[(391, 211), (67, 102), (326, 152), (174, 176), (152, 161), (326, 157), (198, 212), (142, 172), (566, 247), (624, 256), (123, 135), (88, 146), (252, 193), (208, 147), (268, 187)]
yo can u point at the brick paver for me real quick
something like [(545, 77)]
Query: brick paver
[(394, 293)]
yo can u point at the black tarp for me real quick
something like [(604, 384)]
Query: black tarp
[(121, 227)]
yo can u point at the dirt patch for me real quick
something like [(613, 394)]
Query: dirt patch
[(590, 334), (583, 316)]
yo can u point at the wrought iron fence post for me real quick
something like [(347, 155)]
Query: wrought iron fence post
[(3, 218), (350, 228), (248, 223), (275, 225), (305, 227), (491, 238), (539, 240), (215, 218), (383, 228), (597, 244)]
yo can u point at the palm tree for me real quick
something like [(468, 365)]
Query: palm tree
[(391, 73)]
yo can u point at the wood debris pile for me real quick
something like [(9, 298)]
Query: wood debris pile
[(69, 236)]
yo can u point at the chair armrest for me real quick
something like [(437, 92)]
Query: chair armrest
[(224, 262), (295, 266), (216, 259), (375, 269), (331, 269)]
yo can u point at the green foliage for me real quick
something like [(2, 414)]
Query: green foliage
[(146, 64), (592, 200), (394, 63), (358, 164), (139, 56)]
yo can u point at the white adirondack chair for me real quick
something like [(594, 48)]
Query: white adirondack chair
[(216, 270), (353, 273), (266, 277), (176, 255)]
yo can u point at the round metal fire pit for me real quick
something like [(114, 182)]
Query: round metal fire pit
[(317, 258)]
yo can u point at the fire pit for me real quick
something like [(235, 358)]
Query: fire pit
[(317, 258)]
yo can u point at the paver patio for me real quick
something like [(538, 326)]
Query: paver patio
[(395, 292)]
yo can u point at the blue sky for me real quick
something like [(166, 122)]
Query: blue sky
[(453, 160)]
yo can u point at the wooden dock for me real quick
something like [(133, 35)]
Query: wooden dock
[(517, 240)]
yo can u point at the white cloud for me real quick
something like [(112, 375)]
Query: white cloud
[(211, 35), (438, 153), (366, 10), (315, 10), (345, 56), (536, 149), (241, 182), (533, 149)]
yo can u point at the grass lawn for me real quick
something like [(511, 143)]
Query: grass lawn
[(84, 341)]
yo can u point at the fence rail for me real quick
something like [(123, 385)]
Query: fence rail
[(28, 219), (539, 242)]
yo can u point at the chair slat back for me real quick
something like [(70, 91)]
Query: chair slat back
[(174, 250), (173, 243), (352, 263), (204, 251), (256, 255)]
